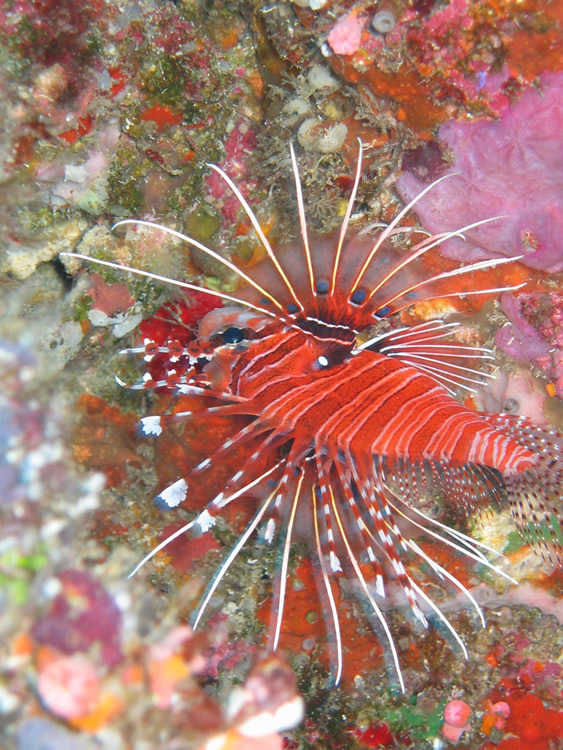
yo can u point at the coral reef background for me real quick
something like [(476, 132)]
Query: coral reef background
[(111, 109)]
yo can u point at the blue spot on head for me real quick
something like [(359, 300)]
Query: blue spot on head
[(358, 297), (322, 287), (382, 312), (292, 309), (412, 295), (265, 301)]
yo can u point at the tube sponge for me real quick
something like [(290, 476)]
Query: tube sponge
[(511, 168)]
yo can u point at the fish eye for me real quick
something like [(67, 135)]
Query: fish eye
[(233, 335)]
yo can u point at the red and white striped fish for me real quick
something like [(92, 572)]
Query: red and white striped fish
[(344, 437)]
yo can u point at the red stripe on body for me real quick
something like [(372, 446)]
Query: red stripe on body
[(372, 405)]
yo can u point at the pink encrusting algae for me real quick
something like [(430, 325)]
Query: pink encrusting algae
[(346, 34), (517, 393), (342, 435), (69, 686)]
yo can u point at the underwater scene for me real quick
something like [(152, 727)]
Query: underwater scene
[(281, 374)]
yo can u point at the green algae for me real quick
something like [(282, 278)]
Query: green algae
[(124, 187), (536, 534), (407, 717), (514, 542), (82, 307), (202, 224), (165, 81), (17, 572)]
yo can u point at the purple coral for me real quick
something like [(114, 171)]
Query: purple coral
[(521, 340), (511, 168), (535, 332)]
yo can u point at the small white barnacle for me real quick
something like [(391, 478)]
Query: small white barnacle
[(385, 18)]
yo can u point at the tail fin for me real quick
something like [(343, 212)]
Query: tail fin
[(535, 495), (535, 502)]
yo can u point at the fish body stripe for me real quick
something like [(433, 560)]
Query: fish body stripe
[(373, 403), (311, 400), (351, 416)]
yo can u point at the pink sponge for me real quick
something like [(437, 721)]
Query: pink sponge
[(512, 167)]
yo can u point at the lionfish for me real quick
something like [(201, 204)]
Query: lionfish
[(347, 434)]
